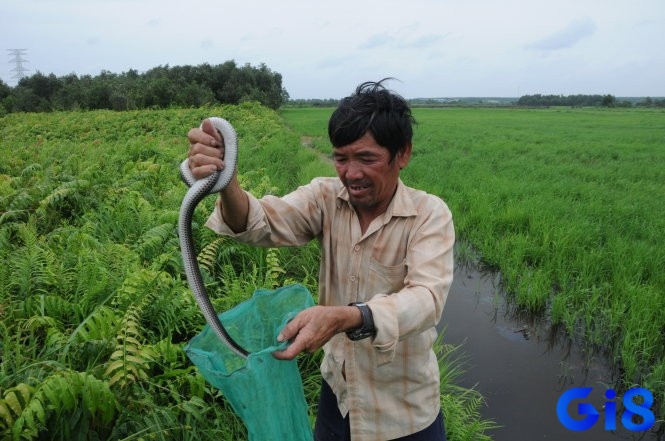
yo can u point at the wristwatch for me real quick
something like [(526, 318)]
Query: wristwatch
[(366, 329)]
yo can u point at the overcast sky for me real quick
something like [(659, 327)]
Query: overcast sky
[(323, 49)]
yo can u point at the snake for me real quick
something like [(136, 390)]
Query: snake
[(198, 190)]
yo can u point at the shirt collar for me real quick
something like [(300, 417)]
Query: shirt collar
[(401, 204)]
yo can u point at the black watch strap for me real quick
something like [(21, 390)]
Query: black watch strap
[(366, 329)]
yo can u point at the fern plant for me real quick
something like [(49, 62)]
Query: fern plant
[(91, 342), (64, 199), (274, 274), (130, 361), (207, 257), (67, 405), (14, 400), (30, 264), (151, 243)]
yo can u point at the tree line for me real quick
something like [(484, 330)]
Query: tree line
[(160, 87), (539, 100), (194, 86)]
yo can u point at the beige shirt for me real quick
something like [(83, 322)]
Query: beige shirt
[(402, 267)]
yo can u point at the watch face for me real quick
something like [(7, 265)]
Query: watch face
[(366, 328), (359, 334)]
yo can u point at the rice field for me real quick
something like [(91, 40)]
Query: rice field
[(567, 204)]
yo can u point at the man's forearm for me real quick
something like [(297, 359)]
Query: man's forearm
[(234, 206)]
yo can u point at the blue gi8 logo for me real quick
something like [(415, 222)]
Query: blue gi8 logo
[(591, 415)]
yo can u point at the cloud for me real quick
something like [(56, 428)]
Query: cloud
[(423, 41), (376, 40), (569, 36), (402, 40), (336, 62)]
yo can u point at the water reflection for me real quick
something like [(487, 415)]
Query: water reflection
[(522, 364)]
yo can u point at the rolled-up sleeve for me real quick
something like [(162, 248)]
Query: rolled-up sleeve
[(291, 220)]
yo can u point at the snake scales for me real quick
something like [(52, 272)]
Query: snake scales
[(198, 190)]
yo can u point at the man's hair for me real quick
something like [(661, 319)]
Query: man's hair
[(374, 109)]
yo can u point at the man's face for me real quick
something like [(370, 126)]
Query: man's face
[(365, 169)]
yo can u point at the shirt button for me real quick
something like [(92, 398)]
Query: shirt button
[(353, 278), (356, 248)]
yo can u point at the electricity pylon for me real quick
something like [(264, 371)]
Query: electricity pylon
[(18, 60)]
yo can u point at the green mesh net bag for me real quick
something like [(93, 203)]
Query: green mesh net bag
[(266, 393)]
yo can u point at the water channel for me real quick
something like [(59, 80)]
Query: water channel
[(521, 366)]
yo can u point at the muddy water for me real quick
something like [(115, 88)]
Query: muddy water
[(522, 367)]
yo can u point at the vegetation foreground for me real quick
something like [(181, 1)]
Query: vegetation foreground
[(567, 204), (94, 306)]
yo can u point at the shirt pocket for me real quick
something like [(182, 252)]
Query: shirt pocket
[(386, 279)]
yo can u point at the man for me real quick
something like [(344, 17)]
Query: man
[(386, 269)]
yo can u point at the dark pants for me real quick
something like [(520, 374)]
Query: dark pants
[(330, 426)]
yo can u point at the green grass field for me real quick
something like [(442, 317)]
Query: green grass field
[(566, 204)]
